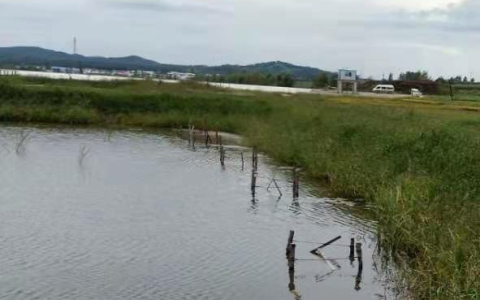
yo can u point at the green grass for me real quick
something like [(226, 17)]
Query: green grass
[(416, 161), (461, 92)]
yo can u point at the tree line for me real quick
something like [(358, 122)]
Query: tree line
[(323, 80), (283, 80), (423, 75)]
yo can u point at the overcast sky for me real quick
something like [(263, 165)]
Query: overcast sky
[(373, 36)]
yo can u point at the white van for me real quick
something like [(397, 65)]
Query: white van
[(384, 88), (416, 93)]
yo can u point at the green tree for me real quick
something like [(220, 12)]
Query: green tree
[(285, 80), (334, 80), (414, 76), (257, 78), (457, 79), (321, 80)]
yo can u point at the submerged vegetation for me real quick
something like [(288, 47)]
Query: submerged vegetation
[(416, 162)]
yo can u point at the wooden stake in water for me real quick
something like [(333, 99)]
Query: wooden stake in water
[(191, 133), (254, 182), (207, 139), (222, 156), (352, 250), (243, 161), (291, 258), (359, 251), (289, 242), (291, 281), (296, 183), (255, 159), (254, 171), (358, 278)]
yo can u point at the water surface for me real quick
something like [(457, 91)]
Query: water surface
[(145, 216)]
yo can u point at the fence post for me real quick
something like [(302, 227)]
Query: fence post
[(291, 258), (451, 90), (296, 183), (254, 181), (222, 156), (289, 242), (358, 278), (352, 250), (255, 158), (206, 139), (243, 161)]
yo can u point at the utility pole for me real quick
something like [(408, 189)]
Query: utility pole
[(451, 90), (75, 45)]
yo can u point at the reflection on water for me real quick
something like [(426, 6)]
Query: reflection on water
[(96, 214)]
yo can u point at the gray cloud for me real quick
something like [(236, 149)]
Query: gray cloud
[(372, 36), (461, 17), (164, 6)]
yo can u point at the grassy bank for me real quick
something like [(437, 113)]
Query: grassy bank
[(417, 162)]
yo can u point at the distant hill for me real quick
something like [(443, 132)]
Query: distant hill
[(44, 57)]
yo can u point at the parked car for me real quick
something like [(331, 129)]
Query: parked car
[(416, 93), (384, 88)]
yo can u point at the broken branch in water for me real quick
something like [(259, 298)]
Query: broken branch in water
[(325, 244), (331, 263), (22, 140), (276, 185), (84, 150)]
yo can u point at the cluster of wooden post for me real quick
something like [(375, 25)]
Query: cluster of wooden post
[(254, 170), (355, 249), (296, 183), (206, 134)]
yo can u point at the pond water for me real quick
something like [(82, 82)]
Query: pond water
[(90, 214)]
